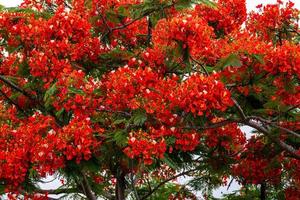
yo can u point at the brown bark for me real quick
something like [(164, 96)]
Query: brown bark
[(120, 187), (263, 191)]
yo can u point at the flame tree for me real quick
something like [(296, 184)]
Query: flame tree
[(119, 99)]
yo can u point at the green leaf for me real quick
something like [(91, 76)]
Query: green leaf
[(119, 121), (123, 12), (59, 113), (170, 140), (112, 17), (183, 4), (48, 95), (139, 118), (97, 91), (33, 173), (259, 58), (206, 2), (232, 60), (116, 56), (12, 49), (1, 7), (29, 11), (50, 92), (23, 69), (2, 189), (120, 137), (15, 96), (170, 162), (76, 91), (90, 165)]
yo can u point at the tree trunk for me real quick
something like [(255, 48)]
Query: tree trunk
[(87, 189), (263, 191), (120, 187)]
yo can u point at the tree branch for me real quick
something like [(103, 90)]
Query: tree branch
[(201, 65), (166, 181), (277, 141), (12, 102), (133, 182), (113, 111), (134, 20), (32, 98), (248, 121), (239, 108), (87, 188), (263, 191), (14, 86), (59, 191), (67, 5), (275, 125), (149, 34), (215, 125)]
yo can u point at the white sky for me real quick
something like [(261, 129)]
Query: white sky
[(250, 3), (10, 3)]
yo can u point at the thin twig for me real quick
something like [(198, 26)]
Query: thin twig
[(215, 125), (14, 86), (134, 20), (285, 112), (275, 125), (132, 182), (103, 19), (59, 191), (10, 101), (249, 121), (115, 111), (166, 181), (87, 188), (239, 108), (68, 5), (231, 181), (277, 141), (149, 35), (122, 26), (149, 185), (201, 65)]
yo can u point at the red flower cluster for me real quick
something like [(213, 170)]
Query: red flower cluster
[(188, 32), (229, 138), (286, 93), (17, 149), (201, 95), (284, 60), (292, 166), (292, 193), (75, 93), (38, 4), (257, 166), (227, 17), (187, 141), (155, 58), (38, 144), (277, 20), (50, 45), (17, 196), (140, 144), (78, 140), (104, 21), (143, 88)]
